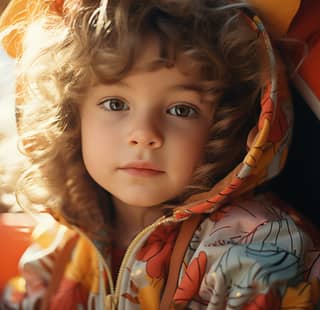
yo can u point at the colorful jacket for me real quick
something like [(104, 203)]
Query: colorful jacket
[(228, 248)]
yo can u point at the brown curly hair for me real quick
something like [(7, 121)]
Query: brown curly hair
[(69, 56)]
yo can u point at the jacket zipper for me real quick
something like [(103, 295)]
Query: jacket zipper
[(112, 300), (132, 245)]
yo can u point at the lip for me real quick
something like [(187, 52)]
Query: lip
[(141, 169)]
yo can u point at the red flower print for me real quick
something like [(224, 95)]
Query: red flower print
[(268, 301), (191, 281), (157, 250)]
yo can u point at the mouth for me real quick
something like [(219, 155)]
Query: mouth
[(141, 169)]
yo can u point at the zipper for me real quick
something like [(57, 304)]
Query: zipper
[(132, 245), (112, 299)]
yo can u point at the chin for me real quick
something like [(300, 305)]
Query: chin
[(142, 201)]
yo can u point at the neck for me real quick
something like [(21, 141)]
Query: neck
[(130, 220)]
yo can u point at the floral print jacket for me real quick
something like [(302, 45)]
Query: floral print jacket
[(251, 254)]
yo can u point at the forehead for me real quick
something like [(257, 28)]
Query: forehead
[(151, 74), (150, 58), (149, 54)]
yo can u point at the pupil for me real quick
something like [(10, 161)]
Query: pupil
[(183, 111), (115, 105)]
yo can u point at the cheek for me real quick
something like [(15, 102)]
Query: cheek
[(96, 134), (193, 145), (189, 153), (94, 144), (190, 158)]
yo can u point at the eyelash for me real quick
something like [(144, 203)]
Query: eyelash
[(192, 112), (113, 100)]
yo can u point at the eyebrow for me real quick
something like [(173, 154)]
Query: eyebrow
[(121, 83), (187, 87)]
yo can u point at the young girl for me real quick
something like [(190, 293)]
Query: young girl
[(151, 126)]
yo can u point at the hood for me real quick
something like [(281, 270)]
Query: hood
[(267, 142)]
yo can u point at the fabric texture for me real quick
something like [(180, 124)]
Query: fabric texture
[(250, 251)]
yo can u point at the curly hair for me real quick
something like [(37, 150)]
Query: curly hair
[(69, 56)]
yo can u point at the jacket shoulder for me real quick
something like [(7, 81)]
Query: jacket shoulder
[(261, 219), (246, 250)]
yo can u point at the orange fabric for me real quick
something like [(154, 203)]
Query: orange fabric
[(306, 21), (84, 266), (301, 296), (306, 27), (15, 237), (276, 14)]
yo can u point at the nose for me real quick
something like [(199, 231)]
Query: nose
[(145, 133)]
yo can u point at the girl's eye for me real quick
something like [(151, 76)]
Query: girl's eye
[(114, 104), (183, 110)]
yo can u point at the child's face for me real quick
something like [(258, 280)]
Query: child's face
[(143, 137)]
